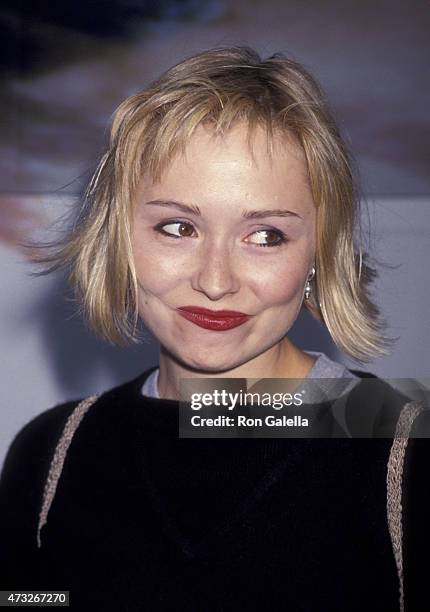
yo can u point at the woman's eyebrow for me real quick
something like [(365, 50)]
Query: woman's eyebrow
[(246, 214), (260, 214), (194, 210)]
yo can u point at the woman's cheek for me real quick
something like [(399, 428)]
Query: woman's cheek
[(279, 284), (153, 266)]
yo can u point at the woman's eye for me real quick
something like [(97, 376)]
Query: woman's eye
[(182, 229), (269, 238)]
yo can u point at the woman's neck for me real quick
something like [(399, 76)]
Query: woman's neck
[(284, 360)]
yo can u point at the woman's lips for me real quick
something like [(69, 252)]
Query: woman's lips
[(216, 320)]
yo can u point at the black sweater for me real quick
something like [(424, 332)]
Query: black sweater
[(144, 520)]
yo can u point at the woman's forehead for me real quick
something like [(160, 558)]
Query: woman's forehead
[(241, 150), (221, 174)]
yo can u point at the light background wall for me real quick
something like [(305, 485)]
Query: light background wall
[(63, 79)]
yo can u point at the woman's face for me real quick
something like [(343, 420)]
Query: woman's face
[(224, 230)]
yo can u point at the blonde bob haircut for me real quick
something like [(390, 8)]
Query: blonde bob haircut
[(219, 88)]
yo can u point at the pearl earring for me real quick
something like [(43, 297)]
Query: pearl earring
[(308, 287)]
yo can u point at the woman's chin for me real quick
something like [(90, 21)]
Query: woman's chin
[(211, 364)]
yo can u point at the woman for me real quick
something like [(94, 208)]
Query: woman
[(224, 204)]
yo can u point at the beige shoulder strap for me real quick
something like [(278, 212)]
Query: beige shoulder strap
[(395, 467), (59, 457)]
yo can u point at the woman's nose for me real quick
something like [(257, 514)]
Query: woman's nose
[(216, 274)]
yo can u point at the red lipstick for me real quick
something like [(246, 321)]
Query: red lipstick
[(216, 320)]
